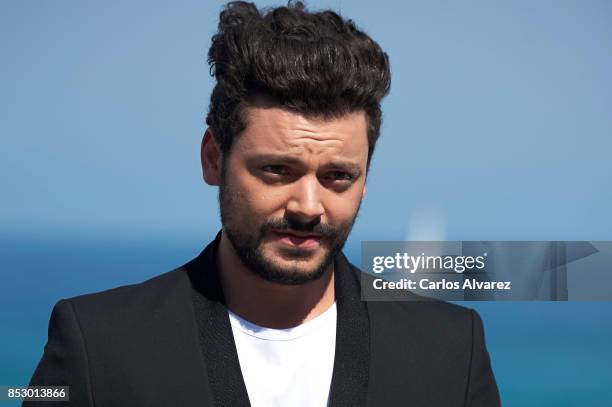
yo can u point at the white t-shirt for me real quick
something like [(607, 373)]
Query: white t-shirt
[(287, 367)]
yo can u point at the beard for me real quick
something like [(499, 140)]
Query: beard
[(247, 238)]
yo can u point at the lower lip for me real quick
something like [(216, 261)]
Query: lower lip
[(296, 241)]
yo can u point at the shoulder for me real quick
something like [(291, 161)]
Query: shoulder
[(428, 320), (129, 322), (141, 295), (135, 334), (416, 312), (421, 343), (424, 314), (122, 309)]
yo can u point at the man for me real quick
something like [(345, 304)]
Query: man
[(270, 313)]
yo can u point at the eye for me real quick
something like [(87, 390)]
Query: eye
[(275, 169), (340, 176)]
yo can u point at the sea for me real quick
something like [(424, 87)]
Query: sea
[(543, 353)]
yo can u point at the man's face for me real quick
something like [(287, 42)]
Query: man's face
[(290, 191)]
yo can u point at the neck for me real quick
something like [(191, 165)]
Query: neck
[(270, 304)]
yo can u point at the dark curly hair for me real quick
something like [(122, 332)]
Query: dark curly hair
[(314, 63)]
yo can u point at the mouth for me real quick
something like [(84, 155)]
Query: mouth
[(298, 239)]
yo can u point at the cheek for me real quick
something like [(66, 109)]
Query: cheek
[(341, 208), (259, 200)]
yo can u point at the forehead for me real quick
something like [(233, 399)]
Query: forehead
[(276, 130)]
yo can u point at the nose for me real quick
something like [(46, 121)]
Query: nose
[(305, 201)]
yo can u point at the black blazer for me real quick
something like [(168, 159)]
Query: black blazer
[(168, 342)]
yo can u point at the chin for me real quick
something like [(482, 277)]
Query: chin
[(292, 272)]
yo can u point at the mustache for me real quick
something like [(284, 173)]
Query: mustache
[(289, 224)]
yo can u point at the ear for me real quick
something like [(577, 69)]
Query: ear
[(211, 157)]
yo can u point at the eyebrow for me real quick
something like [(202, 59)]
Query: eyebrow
[(277, 158), (346, 166)]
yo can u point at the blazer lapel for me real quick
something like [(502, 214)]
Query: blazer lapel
[(352, 359), (216, 337)]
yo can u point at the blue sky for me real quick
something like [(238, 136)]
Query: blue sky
[(497, 126)]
